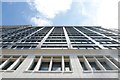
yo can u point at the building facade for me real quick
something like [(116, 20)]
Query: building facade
[(59, 52)]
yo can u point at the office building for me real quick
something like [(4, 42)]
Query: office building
[(59, 52)]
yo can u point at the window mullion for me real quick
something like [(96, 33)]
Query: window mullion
[(15, 63), (38, 64), (99, 64), (5, 63), (63, 64), (87, 64), (50, 66)]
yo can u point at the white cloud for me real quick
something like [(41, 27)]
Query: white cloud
[(107, 14), (101, 12), (49, 8), (96, 12), (40, 22)]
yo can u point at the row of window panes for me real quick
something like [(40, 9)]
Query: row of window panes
[(86, 47), (11, 63), (82, 41), (112, 47), (98, 63), (60, 63), (13, 32), (103, 31), (107, 42), (61, 47), (35, 37), (21, 34), (55, 41), (51, 63), (34, 40), (23, 47)]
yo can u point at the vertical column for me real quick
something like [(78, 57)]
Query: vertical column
[(38, 64), (24, 37), (30, 34), (30, 65), (99, 64), (43, 40), (5, 63), (63, 64), (50, 66), (108, 31), (67, 38), (101, 34), (14, 64), (87, 64), (97, 43), (113, 66), (17, 32)]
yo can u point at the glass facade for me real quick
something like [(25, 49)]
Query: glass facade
[(58, 37)]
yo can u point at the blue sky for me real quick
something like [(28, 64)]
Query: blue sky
[(15, 13), (61, 12), (18, 13)]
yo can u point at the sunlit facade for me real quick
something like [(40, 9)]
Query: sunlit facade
[(74, 52)]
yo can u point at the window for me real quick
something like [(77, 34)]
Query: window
[(11, 63), (83, 63), (50, 64), (33, 65), (44, 66), (45, 63), (7, 65), (94, 66), (117, 63), (57, 63), (105, 65), (67, 63), (56, 66), (98, 63)]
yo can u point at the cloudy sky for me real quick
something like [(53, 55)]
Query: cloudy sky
[(61, 12)]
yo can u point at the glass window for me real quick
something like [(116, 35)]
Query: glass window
[(83, 65), (94, 66), (8, 61), (44, 66), (51, 63), (56, 66)]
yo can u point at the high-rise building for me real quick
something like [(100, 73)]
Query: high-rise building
[(59, 52)]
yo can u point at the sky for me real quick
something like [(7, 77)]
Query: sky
[(60, 12)]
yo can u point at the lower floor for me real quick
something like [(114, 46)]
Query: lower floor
[(58, 64)]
